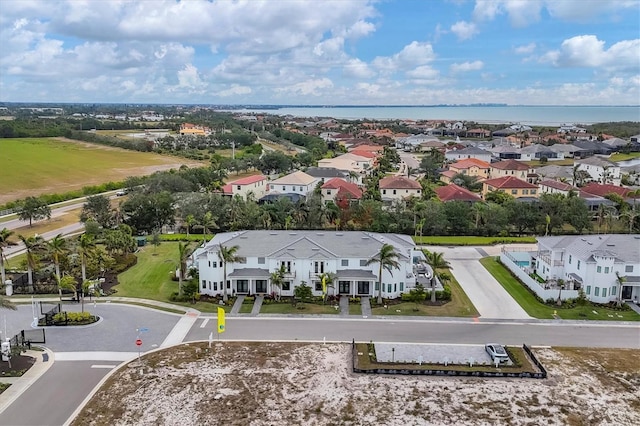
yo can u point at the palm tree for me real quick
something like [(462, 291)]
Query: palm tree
[(189, 221), (86, 246), (436, 261), (620, 280), (66, 282), (328, 278), (32, 246), (386, 259), (56, 247), (5, 234), (277, 278), (206, 224), (183, 255), (226, 255)]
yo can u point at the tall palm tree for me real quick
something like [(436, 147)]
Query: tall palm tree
[(436, 261), (227, 255), (183, 255), (189, 221), (56, 247), (206, 224), (386, 259), (32, 246), (277, 279), (620, 280), (329, 278), (66, 282), (5, 234), (86, 248)]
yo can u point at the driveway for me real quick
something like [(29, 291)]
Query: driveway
[(488, 296)]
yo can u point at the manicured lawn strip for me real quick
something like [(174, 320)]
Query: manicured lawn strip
[(145, 305), (539, 310), (246, 308), (288, 308), (470, 240), (355, 309), (4, 387)]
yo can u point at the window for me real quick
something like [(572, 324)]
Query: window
[(287, 265), (578, 264), (318, 285), (204, 284), (286, 286), (604, 292), (215, 264), (395, 287), (606, 269), (388, 288), (628, 268), (272, 187), (377, 285), (384, 191), (514, 191), (344, 262), (209, 285), (301, 189), (215, 285), (394, 192), (261, 261), (613, 291), (401, 286), (533, 192), (569, 259), (209, 264), (228, 283), (239, 187), (318, 267), (597, 292), (588, 289), (599, 269), (284, 187), (363, 262), (328, 192), (525, 192)]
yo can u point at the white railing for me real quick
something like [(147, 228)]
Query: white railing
[(534, 285)]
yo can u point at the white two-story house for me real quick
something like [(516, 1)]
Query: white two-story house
[(294, 183), (592, 261), (305, 256), (256, 186), (601, 170)]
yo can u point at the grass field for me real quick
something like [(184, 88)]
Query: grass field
[(35, 166), (300, 308), (624, 157), (539, 310), (459, 306), (471, 241)]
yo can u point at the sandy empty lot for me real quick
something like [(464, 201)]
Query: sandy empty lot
[(311, 384)]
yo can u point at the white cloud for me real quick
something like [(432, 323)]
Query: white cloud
[(412, 55), (235, 90), (311, 87), (423, 72), (525, 49), (589, 52), (464, 30), (357, 69), (467, 66)]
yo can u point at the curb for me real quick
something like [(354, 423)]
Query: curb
[(16, 389)]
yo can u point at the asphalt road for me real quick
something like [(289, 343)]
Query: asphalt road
[(613, 335), (55, 395)]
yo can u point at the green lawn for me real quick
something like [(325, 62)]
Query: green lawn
[(150, 277), (459, 306), (355, 309), (471, 240), (624, 157), (58, 165), (539, 310), (307, 309)]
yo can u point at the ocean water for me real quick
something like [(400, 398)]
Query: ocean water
[(530, 115)]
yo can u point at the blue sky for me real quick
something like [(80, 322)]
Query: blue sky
[(351, 52)]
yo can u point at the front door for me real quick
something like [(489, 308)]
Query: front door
[(627, 290), (363, 288), (261, 286), (242, 286), (344, 287)]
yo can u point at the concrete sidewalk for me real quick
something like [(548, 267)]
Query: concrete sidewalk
[(20, 384)]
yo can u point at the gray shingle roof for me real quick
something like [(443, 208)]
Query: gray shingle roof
[(625, 248)]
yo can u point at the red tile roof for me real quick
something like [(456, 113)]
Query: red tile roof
[(602, 190), (398, 182), (349, 192), (363, 153), (467, 163), (510, 165), (509, 182), (454, 192), (248, 180)]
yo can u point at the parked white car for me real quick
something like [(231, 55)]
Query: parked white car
[(497, 352)]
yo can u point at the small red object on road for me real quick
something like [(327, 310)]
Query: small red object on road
[(138, 342)]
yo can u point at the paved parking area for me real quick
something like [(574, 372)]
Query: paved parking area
[(432, 354)]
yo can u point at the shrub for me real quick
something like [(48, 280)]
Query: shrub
[(124, 262)]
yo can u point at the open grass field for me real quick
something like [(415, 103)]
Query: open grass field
[(35, 166), (539, 310)]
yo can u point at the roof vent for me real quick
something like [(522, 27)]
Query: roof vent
[(319, 233), (365, 238), (339, 234), (273, 233), (293, 233), (611, 245)]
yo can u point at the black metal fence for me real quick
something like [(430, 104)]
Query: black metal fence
[(25, 338), (541, 374), (47, 318)]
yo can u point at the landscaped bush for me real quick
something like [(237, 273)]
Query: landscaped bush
[(124, 262), (74, 318)]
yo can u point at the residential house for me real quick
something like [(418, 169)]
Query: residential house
[(254, 185), (399, 188), (555, 187), (298, 183), (568, 150), (469, 167), (305, 256), (512, 168), (505, 151), (602, 190), (468, 153), (600, 170), (194, 130), (453, 192), (594, 146), (536, 151), (554, 172), (338, 190), (511, 185), (323, 174), (351, 167), (478, 133), (592, 262)]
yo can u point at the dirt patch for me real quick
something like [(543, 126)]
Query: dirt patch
[(240, 383), (19, 365)]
